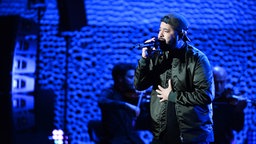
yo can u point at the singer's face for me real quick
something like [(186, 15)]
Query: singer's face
[(167, 34)]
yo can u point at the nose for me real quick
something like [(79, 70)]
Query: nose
[(160, 34)]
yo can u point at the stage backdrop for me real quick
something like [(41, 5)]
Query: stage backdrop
[(75, 61)]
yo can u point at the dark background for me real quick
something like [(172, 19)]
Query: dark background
[(74, 45)]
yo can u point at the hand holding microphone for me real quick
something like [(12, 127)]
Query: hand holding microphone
[(153, 42), (149, 47), (146, 51)]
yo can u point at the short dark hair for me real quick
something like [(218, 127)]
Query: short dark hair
[(120, 69)]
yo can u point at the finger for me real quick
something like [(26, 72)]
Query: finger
[(160, 96), (169, 83), (160, 88), (152, 39), (144, 49), (158, 91), (161, 100), (144, 52)]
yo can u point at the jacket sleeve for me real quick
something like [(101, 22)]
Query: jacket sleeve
[(143, 75), (201, 89)]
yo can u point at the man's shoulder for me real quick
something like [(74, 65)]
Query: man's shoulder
[(195, 51), (196, 54)]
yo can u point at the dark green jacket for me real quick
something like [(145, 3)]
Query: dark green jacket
[(193, 91)]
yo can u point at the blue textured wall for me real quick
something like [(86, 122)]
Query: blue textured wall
[(224, 30)]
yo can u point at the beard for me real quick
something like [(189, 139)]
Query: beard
[(167, 46)]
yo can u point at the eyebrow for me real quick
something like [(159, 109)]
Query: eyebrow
[(165, 28)]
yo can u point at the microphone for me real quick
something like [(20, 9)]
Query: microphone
[(149, 44)]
